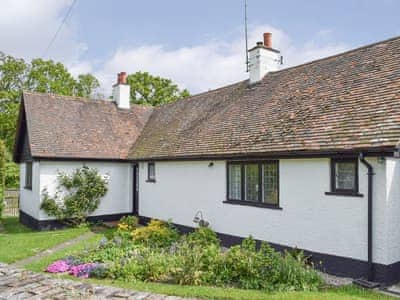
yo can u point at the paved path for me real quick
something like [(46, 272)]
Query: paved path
[(16, 283), (50, 251)]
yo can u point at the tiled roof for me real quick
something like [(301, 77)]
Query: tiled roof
[(346, 102), (70, 127)]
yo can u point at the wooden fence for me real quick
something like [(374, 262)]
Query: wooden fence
[(11, 203)]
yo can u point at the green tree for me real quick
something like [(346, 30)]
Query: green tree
[(2, 175), (153, 90), (41, 76), (47, 76), (87, 85)]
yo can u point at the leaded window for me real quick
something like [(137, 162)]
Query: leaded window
[(344, 173), (254, 182)]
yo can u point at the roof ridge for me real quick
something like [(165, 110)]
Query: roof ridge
[(77, 98), (202, 93), (336, 55)]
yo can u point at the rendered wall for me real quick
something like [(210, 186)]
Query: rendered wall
[(309, 219)]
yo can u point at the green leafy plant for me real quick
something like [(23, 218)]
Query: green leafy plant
[(156, 234), (78, 195), (2, 175), (125, 227), (203, 236), (198, 259)]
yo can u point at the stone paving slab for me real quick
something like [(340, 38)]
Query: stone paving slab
[(17, 283)]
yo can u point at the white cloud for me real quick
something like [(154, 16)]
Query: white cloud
[(26, 28), (215, 63)]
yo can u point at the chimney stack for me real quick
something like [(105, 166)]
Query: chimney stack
[(263, 59), (268, 39), (121, 91)]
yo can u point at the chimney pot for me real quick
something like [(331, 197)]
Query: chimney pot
[(268, 39), (123, 77)]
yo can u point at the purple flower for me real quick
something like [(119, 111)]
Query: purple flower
[(82, 271), (59, 266)]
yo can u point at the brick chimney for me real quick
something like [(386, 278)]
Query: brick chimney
[(263, 59), (121, 91)]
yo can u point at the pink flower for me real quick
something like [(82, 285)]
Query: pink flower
[(82, 271), (59, 266)]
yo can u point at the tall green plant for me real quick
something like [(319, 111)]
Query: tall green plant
[(2, 175), (78, 195)]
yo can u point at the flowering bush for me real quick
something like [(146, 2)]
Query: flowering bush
[(83, 270), (156, 234), (155, 254), (59, 266)]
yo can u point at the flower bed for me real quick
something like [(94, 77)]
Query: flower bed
[(157, 253)]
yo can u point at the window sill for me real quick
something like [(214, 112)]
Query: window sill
[(255, 204), (151, 180), (344, 194)]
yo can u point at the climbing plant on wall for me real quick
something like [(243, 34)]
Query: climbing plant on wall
[(78, 195)]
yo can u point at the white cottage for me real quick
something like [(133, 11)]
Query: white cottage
[(303, 157)]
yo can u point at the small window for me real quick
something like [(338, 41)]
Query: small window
[(235, 182), (253, 183), (28, 175), (344, 176), (151, 172)]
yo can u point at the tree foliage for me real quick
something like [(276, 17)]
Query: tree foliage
[(2, 175), (39, 75), (153, 90), (78, 195)]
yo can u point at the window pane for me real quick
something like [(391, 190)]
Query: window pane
[(28, 174), (270, 183), (152, 171), (235, 180), (251, 182), (345, 175)]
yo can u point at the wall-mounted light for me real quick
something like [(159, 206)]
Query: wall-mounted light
[(198, 219), (381, 160), (211, 164)]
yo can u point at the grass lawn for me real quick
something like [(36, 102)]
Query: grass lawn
[(350, 292), (18, 241)]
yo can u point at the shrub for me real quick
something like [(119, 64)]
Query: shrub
[(125, 227), (195, 263), (128, 223), (78, 195), (156, 234), (203, 236), (156, 254)]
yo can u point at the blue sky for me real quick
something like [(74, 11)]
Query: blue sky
[(199, 44)]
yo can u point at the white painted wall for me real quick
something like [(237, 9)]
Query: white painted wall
[(29, 198), (117, 200), (309, 219), (393, 209)]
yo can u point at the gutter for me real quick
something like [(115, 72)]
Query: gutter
[(370, 274)]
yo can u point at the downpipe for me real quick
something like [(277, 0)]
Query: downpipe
[(370, 275)]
